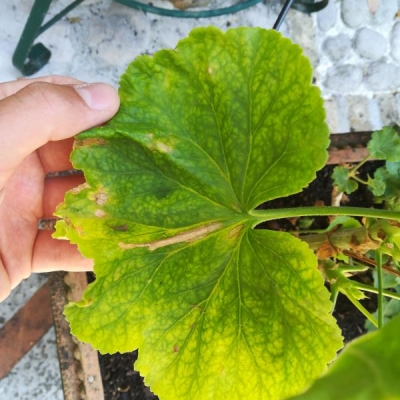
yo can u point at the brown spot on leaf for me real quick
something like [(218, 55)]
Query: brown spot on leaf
[(68, 221), (101, 198), (120, 228), (160, 147), (80, 188), (89, 142), (235, 231), (99, 213), (188, 236), (163, 148)]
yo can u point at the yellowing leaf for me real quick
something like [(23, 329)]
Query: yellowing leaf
[(205, 133)]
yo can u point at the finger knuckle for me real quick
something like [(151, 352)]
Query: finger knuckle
[(50, 96)]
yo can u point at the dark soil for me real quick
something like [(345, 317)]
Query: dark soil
[(121, 382), (319, 192), (350, 320)]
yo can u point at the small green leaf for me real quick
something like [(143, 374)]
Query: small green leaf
[(393, 168), (378, 183), (344, 222), (367, 369), (386, 184), (385, 144), (391, 178), (342, 180), (205, 133), (305, 223)]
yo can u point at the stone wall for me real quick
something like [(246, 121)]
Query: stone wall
[(358, 65)]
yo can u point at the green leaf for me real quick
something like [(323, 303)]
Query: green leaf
[(343, 181), (344, 222), (205, 133), (393, 168), (392, 180), (386, 184), (385, 144), (378, 183), (367, 369)]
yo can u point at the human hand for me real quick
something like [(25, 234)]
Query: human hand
[(38, 118)]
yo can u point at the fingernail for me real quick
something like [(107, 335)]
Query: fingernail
[(98, 96)]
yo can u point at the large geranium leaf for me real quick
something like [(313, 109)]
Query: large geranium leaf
[(205, 133)]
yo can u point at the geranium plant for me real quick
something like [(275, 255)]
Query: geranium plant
[(205, 134)]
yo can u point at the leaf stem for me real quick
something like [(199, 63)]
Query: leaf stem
[(369, 262), (359, 180), (353, 170), (362, 309), (371, 289), (354, 268), (271, 214), (334, 296), (378, 255)]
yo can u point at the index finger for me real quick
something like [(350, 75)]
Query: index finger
[(43, 112), (12, 87)]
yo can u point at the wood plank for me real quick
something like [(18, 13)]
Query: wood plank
[(25, 329), (80, 370)]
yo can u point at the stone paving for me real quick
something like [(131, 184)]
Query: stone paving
[(37, 374), (354, 46)]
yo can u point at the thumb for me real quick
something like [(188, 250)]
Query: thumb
[(43, 112)]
